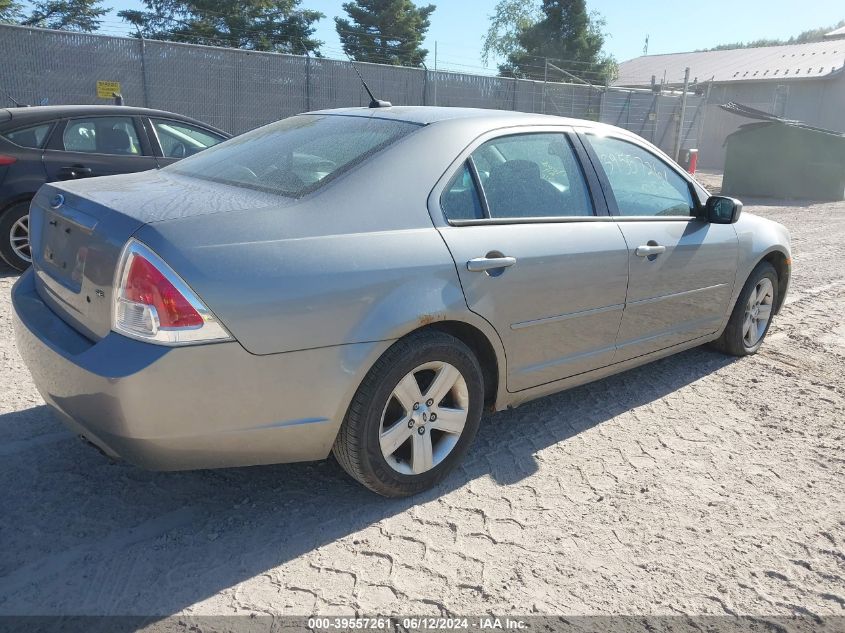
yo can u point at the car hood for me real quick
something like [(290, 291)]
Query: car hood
[(157, 196)]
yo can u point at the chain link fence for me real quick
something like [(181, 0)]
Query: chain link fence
[(238, 90)]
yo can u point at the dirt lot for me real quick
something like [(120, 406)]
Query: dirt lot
[(697, 484)]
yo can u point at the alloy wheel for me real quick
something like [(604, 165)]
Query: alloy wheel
[(19, 239), (424, 418), (758, 312)]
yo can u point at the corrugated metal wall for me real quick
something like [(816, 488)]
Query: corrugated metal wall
[(818, 102), (238, 90)]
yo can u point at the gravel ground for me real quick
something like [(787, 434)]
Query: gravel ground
[(698, 484)]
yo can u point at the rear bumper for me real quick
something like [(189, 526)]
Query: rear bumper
[(175, 408)]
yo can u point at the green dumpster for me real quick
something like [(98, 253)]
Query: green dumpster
[(785, 159)]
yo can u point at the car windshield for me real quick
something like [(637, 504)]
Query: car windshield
[(294, 156)]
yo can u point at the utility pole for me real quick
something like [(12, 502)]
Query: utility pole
[(677, 153)]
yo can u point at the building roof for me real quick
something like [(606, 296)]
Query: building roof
[(840, 32), (813, 60)]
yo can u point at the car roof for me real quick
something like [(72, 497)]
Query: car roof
[(34, 114), (425, 115)]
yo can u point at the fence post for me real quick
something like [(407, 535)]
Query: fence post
[(545, 81), (435, 72), (700, 133), (656, 109), (676, 154), (307, 76), (425, 81), (144, 70)]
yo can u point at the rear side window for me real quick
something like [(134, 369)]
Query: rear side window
[(295, 156), (179, 140), (33, 136), (102, 135), (522, 176), (460, 199)]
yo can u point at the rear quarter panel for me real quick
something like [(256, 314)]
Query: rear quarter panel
[(21, 179), (358, 261)]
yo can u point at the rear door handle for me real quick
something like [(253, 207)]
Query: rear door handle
[(75, 171), (649, 250), (480, 264)]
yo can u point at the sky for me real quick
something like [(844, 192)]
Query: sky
[(458, 26)]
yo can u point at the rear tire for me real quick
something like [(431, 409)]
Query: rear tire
[(752, 315), (14, 236), (414, 416)]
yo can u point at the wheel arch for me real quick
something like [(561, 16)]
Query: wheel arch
[(776, 256), (478, 335), (16, 199), (483, 350), (781, 262)]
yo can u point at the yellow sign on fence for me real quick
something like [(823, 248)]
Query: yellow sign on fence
[(107, 89)]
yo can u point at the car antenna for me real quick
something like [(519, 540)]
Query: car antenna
[(374, 103), (13, 100)]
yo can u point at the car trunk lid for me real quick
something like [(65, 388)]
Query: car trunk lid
[(78, 230), (162, 195), (75, 247)]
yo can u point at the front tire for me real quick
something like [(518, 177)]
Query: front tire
[(414, 416), (752, 314), (14, 236)]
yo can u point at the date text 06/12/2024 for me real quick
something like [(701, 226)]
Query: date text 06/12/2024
[(415, 623)]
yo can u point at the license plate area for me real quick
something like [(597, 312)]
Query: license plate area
[(66, 236)]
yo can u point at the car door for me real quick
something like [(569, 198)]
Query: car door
[(23, 171), (174, 140), (537, 255), (682, 269), (97, 146)]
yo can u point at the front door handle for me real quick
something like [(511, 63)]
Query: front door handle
[(650, 250), (480, 264)]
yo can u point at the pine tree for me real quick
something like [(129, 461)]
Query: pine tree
[(385, 31), (260, 25), (66, 15)]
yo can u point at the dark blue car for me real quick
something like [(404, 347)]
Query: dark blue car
[(49, 143)]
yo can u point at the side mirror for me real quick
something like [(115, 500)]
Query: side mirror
[(722, 210)]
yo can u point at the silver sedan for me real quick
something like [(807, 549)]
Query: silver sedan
[(368, 281)]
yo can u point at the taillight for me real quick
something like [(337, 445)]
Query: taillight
[(152, 303), (7, 160)]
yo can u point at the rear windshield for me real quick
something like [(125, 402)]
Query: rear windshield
[(294, 156)]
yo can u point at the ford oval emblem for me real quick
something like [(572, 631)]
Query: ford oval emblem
[(57, 201)]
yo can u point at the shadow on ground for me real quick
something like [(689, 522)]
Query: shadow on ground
[(83, 535)]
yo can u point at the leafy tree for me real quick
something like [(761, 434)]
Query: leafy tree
[(811, 35), (568, 36), (385, 31), (66, 15), (10, 11), (510, 19), (260, 25)]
